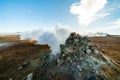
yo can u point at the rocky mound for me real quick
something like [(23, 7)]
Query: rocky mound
[(79, 59)]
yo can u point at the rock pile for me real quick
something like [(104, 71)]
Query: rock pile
[(79, 59)]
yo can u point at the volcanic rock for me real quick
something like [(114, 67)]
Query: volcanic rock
[(29, 77), (79, 59)]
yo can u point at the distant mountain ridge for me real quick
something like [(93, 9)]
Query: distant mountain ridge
[(92, 34)]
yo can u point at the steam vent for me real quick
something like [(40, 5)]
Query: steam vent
[(79, 59)]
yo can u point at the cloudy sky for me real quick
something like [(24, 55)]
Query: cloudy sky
[(79, 15)]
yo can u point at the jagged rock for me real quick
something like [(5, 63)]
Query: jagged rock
[(79, 58)]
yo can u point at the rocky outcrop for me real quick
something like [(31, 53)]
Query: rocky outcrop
[(79, 59)]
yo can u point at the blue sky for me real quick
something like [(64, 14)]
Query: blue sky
[(25, 15)]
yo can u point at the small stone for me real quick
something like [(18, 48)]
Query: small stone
[(10, 79), (67, 50), (71, 61), (24, 64), (84, 65), (79, 49), (58, 60), (93, 78), (78, 36), (96, 51), (69, 41), (63, 55), (78, 66), (88, 51), (68, 58), (30, 76), (62, 46), (20, 68), (75, 36), (87, 47), (73, 33), (76, 40), (89, 44)]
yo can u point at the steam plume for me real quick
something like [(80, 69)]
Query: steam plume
[(53, 37)]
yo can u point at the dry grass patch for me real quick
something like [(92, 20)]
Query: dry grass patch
[(12, 57)]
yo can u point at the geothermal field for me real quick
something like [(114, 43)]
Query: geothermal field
[(78, 58), (59, 39)]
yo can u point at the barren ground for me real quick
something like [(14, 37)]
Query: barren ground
[(25, 51)]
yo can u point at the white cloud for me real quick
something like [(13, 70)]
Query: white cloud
[(87, 10), (100, 15)]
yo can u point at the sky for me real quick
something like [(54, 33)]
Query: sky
[(79, 15)]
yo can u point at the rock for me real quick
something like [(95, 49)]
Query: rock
[(96, 51), (76, 40), (89, 44), (20, 68), (78, 36), (24, 64), (79, 58), (59, 62), (30, 76), (72, 34), (70, 61), (63, 55), (88, 51), (69, 41), (68, 58), (84, 65), (93, 78), (10, 79), (79, 67), (68, 50)]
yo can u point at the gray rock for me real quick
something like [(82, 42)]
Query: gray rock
[(20, 68), (96, 51), (68, 58), (89, 44), (79, 67), (85, 62), (30, 76), (24, 64), (68, 50), (76, 40), (88, 51)]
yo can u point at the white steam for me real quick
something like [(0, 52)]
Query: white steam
[(32, 35), (53, 37)]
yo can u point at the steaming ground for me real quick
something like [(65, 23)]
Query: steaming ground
[(53, 37), (6, 44), (11, 58)]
